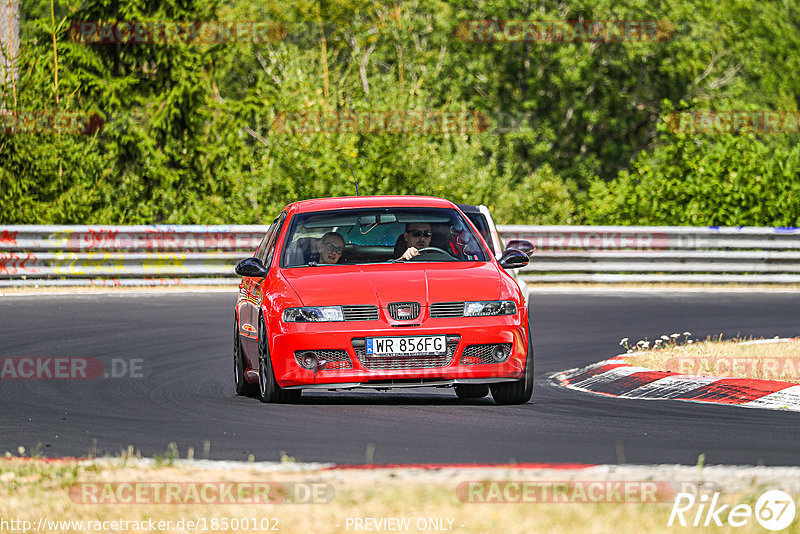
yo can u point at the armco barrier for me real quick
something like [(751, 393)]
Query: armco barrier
[(123, 255), (190, 255), (660, 253), (149, 239)]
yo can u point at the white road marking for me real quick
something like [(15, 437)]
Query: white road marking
[(785, 399), (670, 387)]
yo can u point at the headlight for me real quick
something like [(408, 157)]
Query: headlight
[(313, 315), (489, 307)]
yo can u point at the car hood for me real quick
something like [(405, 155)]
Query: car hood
[(398, 282)]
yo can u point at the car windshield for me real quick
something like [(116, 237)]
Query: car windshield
[(380, 235)]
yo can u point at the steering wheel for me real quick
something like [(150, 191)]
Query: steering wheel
[(434, 249)]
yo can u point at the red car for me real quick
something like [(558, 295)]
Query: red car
[(380, 292)]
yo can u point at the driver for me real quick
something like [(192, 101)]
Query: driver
[(417, 236)]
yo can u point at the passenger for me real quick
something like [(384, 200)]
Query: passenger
[(329, 248), (417, 236)]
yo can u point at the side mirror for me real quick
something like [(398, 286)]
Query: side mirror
[(526, 247), (251, 267), (513, 259)]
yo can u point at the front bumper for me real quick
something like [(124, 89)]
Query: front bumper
[(393, 384), (399, 371)]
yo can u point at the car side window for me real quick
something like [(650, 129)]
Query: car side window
[(483, 228), (265, 241), (263, 244), (272, 239)]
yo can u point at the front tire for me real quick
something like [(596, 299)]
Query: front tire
[(269, 390), (519, 391), (243, 388)]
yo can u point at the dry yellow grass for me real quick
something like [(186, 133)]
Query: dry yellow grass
[(763, 359), (32, 490)]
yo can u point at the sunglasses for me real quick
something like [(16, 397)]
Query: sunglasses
[(330, 247), (420, 233)]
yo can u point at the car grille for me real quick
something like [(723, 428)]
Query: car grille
[(336, 359), (478, 354), (405, 362), (413, 310), (360, 313), (447, 309)]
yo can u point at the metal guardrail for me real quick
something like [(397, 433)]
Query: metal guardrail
[(124, 255), (143, 238), (660, 253), (190, 255)]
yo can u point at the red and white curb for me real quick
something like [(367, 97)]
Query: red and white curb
[(615, 378)]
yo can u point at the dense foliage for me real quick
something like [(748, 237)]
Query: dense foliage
[(564, 132)]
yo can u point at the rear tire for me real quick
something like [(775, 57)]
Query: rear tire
[(471, 391), (269, 390), (519, 391), (243, 388)]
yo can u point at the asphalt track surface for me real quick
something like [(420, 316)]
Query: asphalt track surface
[(185, 394)]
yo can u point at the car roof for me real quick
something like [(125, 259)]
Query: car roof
[(376, 201)]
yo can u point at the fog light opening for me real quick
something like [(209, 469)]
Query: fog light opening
[(499, 354), (308, 360)]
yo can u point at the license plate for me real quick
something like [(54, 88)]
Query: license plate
[(406, 346)]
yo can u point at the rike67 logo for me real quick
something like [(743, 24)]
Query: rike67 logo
[(774, 510)]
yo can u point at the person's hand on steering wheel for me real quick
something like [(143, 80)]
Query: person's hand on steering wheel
[(409, 253), (413, 252)]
